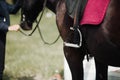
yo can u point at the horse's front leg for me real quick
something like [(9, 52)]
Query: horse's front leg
[(75, 61), (101, 71)]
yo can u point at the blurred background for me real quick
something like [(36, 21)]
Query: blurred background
[(28, 58)]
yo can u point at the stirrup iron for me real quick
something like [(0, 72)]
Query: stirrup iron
[(72, 44)]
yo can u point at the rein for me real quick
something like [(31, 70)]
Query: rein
[(45, 42), (39, 30)]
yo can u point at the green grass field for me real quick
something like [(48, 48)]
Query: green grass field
[(28, 58)]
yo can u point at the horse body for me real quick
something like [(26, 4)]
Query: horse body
[(102, 41)]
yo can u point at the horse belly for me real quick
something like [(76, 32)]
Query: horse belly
[(107, 53), (101, 47)]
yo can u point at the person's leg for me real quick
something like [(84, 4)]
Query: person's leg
[(2, 53)]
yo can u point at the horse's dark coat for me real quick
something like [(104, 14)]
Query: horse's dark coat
[(103, 40)]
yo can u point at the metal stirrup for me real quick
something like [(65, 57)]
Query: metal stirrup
[(75, 45)]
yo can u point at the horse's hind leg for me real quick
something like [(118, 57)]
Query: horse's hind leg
[(101, 71), (75, 62)]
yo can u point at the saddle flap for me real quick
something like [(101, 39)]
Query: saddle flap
[(71, 6)]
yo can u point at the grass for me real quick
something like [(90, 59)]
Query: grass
[(28, 58)]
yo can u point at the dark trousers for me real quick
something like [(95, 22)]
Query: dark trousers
[(2, 52)]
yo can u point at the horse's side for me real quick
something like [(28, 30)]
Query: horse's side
[(102, 40)]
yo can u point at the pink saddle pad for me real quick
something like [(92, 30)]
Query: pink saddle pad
[(94, 12)]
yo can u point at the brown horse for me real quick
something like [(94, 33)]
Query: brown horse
[(102, 41)]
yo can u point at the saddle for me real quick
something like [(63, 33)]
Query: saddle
[(75, 9), (71, 6)]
